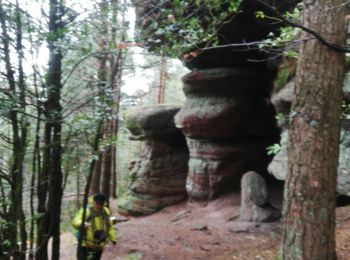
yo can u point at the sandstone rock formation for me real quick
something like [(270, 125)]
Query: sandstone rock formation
[(228, 121), (157, 177), (279, 165), (255, 205)]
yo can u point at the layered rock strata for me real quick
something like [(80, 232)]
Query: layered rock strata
[(228, 119), (158, 176), (228, 122)]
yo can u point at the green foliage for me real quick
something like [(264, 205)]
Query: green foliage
[(129, 123), (134, 256), (286, 72), (273, 149), (278, 257), (282, 78), (285, 35), (183, 26)]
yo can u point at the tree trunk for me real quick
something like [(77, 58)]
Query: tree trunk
[(78, 177), (107, 166), (42, 190), (162, 74), (114, 172), (55, 115), (23, 137), (50, 223), (309, 221), (102, 85), (19, 133), (36, 159), (96, 176), (116, 68), (87, 188)]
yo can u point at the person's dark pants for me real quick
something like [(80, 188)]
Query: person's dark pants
[(91, 254)]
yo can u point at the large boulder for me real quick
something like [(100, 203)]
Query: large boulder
[(228, 122), (279, 165), (158, 176)]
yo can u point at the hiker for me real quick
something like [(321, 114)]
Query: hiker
[(98, 227)]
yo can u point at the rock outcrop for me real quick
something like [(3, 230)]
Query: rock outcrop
[(158, 176), (228, 121), (279, 165)]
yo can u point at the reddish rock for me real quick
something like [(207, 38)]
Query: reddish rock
[(227, 127), (158, 176)]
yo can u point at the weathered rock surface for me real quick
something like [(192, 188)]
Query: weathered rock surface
[(279, 165), (158, 176), (228, 121), (284, 99), (255, 205)]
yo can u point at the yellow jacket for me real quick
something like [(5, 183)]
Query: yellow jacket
[(98, 227)]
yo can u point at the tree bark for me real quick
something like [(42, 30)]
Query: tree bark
[(162, 74), (107, 166), (96, 176), (310, 188), (55, 116), (116, 68), (87, 188), (50, 223), (102, 86), (23, 136)]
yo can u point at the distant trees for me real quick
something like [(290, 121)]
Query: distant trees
[(110, 59), (58, 114), (15, 104), (45, 112)]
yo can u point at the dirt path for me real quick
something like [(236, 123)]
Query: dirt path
[(201, 231)]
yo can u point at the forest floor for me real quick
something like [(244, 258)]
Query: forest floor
[(189, 231)]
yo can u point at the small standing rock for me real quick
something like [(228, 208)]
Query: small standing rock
[(254, 201)]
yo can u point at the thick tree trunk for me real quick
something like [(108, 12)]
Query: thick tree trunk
[(310, 189)]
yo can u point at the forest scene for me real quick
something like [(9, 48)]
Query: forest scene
[(174, 129)]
